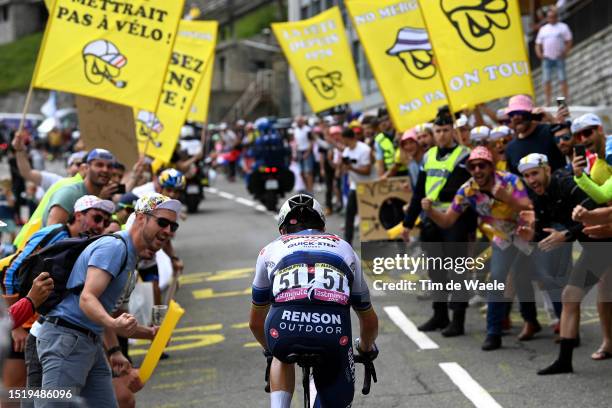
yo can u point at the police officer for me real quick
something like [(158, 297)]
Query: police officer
[(442, 174), (384, 143)]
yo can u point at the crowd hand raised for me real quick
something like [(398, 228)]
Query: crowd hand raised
[(579, 213), (579, 164), (177, 266), (552, 241), (134, 383), (125, 325), (19, 141), (526, 230), (562, 114), (42, 287)]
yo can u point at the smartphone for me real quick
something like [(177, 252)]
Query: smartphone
[(561, 102), (579, 150), (346, 160), (120, 189)]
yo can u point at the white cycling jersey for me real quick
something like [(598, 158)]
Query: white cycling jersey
[(310, 267)]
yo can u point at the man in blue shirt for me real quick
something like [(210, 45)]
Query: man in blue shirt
[(70, 341)]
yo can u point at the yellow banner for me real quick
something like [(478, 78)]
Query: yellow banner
[(396, 44), (115, 51), (199, 107), (318, 52), (480, 48), (157, 133)]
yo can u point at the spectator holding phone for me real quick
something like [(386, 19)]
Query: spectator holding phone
[(357, 162), (591, 171)]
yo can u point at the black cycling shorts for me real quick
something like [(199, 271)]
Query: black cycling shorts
[(324, 330)]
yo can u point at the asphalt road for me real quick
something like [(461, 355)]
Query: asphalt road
[(214, 361)]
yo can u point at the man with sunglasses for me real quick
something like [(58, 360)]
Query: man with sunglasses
[(498, 197), (591, 173), (71, 339), (565, 142), (531, 136), (171, 183), (91, 215)]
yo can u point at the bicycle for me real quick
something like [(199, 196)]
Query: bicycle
[(308, 358)]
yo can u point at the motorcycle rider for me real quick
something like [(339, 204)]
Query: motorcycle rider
[(308, 275)]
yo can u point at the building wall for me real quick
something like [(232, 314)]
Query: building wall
[(18, 19)]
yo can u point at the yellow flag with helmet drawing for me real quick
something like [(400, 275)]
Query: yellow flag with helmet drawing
[(318, 52), (199, 106), (158, 131), (480, 49), (399, 52), (115, 51)]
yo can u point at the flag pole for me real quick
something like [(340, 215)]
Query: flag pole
[(26, 107)]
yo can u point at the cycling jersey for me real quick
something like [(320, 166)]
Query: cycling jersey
[(311, 278), (310, 267)]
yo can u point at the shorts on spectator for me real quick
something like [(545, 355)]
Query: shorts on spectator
[(550, 65), (306, 164)]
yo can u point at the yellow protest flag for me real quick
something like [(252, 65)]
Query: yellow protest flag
[(480, 49), (399, 52), (199, 107), (115, 51), (158, 131), (318, 52)]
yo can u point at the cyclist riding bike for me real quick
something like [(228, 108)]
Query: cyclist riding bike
[(305, 283)]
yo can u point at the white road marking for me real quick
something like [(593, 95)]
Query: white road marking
[(261, 208), (421, 339), (244, 201), (212, 190), (468, 386), (226, 195)]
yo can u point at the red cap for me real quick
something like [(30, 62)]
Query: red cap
[(481, 153), (335, 129)]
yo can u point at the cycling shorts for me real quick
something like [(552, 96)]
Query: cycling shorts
[(324, 330)]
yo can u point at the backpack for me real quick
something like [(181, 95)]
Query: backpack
[(57, 259), (41, 244)]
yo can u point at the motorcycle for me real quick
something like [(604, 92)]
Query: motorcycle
[(269, 183)]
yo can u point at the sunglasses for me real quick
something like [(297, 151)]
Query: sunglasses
[(518, 113), (566, 137), (164, 223), (585, 133), (474, 166), (100, 218)]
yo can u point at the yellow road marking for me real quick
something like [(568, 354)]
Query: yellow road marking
[(244, 325), (223, 275), (194, 341), (209, 293), (252, 344), (208, 327)]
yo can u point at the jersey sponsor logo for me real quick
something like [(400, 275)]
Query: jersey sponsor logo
[(311, 322), (343, 341), (274, 333), (311, 238)]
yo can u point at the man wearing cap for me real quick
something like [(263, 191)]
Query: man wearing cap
[(91, 215), (462, 126), (498, 198), (588, 130), (125, 207), (70, 341), (424, 133), (532, 137), (479, 136), (384, 143), (442, 174), (97, 177), (565, 142)]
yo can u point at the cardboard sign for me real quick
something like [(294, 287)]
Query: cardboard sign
[(380, 207), (108, 126)]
